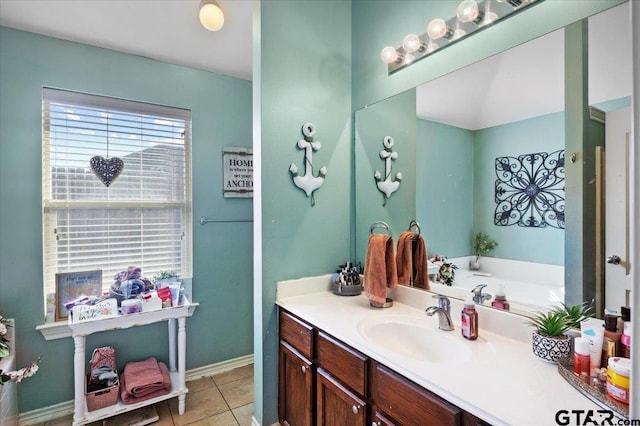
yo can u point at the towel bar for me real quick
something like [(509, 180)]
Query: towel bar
[(414, 224), (204, 220), (382, 225)]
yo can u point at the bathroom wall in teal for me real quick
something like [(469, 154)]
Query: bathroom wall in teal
[(221, 112), (539, 134), (444, 187), (456, 186), (303, 75), (394, 117)]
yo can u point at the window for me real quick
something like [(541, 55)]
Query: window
[(144, 217)]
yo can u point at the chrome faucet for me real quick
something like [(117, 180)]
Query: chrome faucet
[(444, 312), (478, 295)]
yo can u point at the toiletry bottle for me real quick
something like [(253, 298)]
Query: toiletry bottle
[(469, 320), (582, 357), (611, 333), (626, 340), (500, 302)]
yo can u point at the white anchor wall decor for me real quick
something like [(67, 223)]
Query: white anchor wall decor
[(307, 182), (387, 186)]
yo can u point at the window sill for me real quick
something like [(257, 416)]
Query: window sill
[(61, 329)]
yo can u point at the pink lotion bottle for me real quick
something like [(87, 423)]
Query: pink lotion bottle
[(469, 321), (500, 302)]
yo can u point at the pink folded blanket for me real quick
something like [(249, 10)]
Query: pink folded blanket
[(147, 392), (144, 377)]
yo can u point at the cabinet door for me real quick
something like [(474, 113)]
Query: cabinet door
[(336, 405), (380, 420), (408, 403), (295, 388), (345, 364)]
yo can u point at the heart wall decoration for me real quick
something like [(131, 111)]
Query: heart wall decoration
[(106, 169)]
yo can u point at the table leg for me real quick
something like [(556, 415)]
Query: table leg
[(172, 344), (79, 379), (182, 343)]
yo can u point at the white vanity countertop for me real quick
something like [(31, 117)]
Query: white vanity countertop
[(511, 388)]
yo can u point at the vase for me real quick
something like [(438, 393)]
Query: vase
[(474, 263), (550, 348)]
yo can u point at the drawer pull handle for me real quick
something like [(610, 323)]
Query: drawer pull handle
[(304, 368), (355, 409), (376, 424)]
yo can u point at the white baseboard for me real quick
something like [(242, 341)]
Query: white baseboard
[(63, 409)]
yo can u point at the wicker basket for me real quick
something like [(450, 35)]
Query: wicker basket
[(102, 398)]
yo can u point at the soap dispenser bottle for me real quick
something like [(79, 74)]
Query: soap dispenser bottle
[(500, 301), (469, 322)]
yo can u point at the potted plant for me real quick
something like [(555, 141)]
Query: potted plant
[(575, 315), (549, 339), (482, 245)]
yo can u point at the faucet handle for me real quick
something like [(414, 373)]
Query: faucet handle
[(478, 295), (443, 301)]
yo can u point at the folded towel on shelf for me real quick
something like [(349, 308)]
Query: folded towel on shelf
[(149, 392), (412, 260), (144, 377), (380, 270)]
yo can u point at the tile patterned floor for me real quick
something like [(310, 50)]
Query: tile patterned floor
[(225, 399)]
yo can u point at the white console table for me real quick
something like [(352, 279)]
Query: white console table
[(79, 332)]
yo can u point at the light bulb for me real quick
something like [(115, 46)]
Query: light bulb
[(431, 47), (411, 43), (211, 16), (489, 18), (458, 34), (468, 11), (408, 58), (389, 55), (437, 28)]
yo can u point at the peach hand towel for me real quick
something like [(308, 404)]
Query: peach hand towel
[(420, 263), (412, 260), (380, 270), (404, 262)]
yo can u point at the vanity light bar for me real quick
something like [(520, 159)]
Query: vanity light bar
[(471, 16)]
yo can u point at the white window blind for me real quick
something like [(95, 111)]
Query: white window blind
[(144, 217)]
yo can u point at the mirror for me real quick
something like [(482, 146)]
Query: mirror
[(449, 134)]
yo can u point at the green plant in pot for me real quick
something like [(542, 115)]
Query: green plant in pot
[(577, 313), (549, 339)]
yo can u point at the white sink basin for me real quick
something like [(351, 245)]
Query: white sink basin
[(421, 340)]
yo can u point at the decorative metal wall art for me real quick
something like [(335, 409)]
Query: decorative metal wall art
[(387, 186), (529, 190), (307, 182)]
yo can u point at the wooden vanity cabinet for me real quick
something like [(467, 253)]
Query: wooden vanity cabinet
[(409, 404), (341, 383), (296, 372), (337, 405), (323, 381)]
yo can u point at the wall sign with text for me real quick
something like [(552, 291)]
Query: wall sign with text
[(238, 172)]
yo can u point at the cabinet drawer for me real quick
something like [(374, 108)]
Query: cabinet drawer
[(297, 333), (408, 403), (344, 363)]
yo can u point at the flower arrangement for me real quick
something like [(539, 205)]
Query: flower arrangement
[(483, 244), (447, 271), (17, 375)]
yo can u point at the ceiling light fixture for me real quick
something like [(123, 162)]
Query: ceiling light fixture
[(211, 16), (471, 16)]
